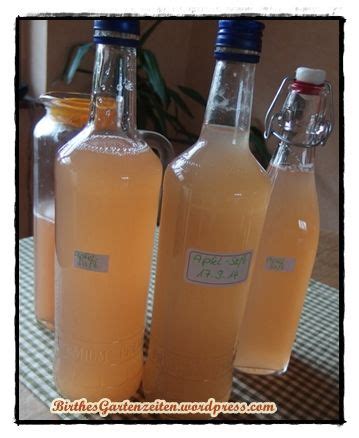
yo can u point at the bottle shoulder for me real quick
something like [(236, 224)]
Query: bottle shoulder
[(220, 164), (105, 144), (104, 151)]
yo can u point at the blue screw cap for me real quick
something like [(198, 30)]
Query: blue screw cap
[(240, 34), (116, 25), (119, 32)]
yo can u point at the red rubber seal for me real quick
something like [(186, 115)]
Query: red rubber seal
[(306, 88)]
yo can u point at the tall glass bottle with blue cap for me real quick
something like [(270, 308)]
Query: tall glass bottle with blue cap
[(107, 183), (214, 202)]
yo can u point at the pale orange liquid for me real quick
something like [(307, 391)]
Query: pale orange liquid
[(72, 112), (214, 200), (276, 299), (106, 203), (44, 241)]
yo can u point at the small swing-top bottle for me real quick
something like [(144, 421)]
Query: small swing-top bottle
[(289, 241)]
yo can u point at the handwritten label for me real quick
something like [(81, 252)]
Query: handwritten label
[(217, 269), (91, 262), (280, 264)]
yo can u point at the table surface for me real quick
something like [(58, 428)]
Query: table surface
[(326, 270)]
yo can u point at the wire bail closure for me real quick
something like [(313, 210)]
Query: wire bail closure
[(318, 134)]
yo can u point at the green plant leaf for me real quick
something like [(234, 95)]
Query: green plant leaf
[(179, 128), (76, 56), (258, 147), (84, 70), (160, 116), (151, 104), (179, 102), (148, 32), (161, 120), (150, 65), (193, 94)]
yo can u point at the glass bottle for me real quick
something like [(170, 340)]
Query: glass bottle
[(66, 114), (288, 246), (107, 182), (213, 208)]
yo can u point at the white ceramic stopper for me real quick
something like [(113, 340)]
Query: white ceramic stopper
[(310, 75)]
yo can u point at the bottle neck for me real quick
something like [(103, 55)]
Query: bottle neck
[(299, 120), (113, 99), (294, 158), (231, 95)]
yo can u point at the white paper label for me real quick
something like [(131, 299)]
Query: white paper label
[(280, 264), (91, 262), (217, 269)]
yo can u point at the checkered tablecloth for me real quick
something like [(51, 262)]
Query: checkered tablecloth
[(309, 391)]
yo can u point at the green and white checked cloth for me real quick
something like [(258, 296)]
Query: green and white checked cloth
[(309, 391)]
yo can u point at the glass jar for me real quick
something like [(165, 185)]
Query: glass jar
[(66, 114)]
